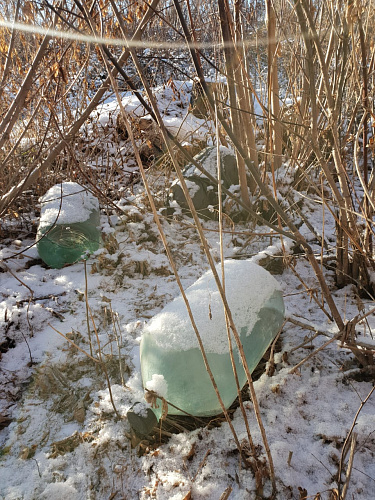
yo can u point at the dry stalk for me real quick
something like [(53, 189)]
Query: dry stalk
[(346, 444), (243, 411), (323, 231), (11, 116), (201, 465), (311, 355), (245, 92), (271, 362), (87, 308), (117, 333), (25, 129), (274, 125), (226, 494), (310, 291), (74, 344), (103, 365), (346, 335), (350, 466), (8, 63), (362, 179), (318, 333), (365, 102), (232, 71)]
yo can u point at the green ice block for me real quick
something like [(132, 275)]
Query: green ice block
[(258, 313), (69, 227)]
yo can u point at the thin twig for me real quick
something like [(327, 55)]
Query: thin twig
[(230, 346), (74, 344), (350, 466), (104, 366), (311, 355), (271, 362), (225, 495), (201, 465), (87, 308), (348, 437)]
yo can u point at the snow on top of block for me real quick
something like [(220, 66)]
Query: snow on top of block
[(248, 286), (66, 203), (158, 384)]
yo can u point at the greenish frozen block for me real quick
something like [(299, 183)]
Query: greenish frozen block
[(171, 362), (189, 385), (69, 225), (68, 243)]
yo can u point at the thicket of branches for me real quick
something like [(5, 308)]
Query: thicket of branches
[(321, 52), (309, 64)]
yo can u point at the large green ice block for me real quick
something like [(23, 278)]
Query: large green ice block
[(69, 225), (169, 347)]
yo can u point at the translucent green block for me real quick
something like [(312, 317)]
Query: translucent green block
[(69, 226), (258, 312)]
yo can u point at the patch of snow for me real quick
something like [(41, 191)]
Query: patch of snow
[(248, 286), (157, 384), (59, 491), (66, 203)]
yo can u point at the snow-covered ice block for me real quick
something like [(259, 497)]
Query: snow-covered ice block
[(170, 349), (68, 227)]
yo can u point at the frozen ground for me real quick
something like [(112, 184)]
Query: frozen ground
[(61, 438)]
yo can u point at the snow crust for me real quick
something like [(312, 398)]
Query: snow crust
[(248, 286), (66, 203)]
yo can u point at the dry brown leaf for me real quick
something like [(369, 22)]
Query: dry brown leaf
[(191, 453), (334, 494), (302, 493)]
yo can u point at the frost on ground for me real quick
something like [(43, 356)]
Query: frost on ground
[(64, 435)]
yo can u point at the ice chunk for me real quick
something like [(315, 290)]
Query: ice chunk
[(68, 227), (169, 346)]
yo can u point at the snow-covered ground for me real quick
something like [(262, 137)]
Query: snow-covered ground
[(60, 436)]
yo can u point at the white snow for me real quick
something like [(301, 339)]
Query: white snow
[(157, 384), (247, 285), (66, 203), (193, 187)]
